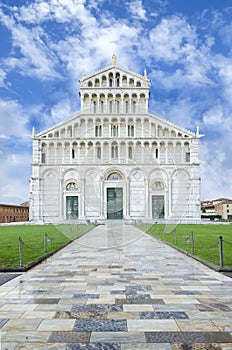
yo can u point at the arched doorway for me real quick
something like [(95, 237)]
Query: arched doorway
[(158, 200), (115, 192)]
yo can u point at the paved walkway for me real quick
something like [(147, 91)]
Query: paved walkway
[(117, 288)]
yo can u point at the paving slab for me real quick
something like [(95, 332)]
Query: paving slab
[(117, 288)]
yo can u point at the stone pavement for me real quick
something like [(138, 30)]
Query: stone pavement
[(117, 288)]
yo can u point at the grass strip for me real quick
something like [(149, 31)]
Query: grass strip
[(206, 239), (33, 241)]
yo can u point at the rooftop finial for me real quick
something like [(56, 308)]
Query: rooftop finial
[(114, 59)]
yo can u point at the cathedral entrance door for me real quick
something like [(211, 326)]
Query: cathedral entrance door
[(72, 207), (114, 203), (158, 207)]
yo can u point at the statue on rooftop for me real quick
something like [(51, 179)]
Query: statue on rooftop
[(114, 59)]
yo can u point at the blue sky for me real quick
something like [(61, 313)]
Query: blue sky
[(185, 46)]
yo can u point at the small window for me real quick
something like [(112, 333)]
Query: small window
[(134, 106), (73, 154), (117, 106), (43, 158), (98, 130), (130, 152), (102, 107), (94, 107), (99, 152), (114, 130), (187, 157), (130, 130), (127, 107), (118, 82), (114, 152), (111, 106), (156, 153), (111, 82)]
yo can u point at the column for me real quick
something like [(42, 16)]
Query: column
[(169, 197), (146, 183)]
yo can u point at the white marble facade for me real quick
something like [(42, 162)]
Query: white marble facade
[(114, 159)]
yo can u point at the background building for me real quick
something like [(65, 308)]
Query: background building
[(115, 160), (219, 208), (14, 213)]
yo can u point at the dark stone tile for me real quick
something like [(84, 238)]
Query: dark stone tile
[(6, 277), (164, 315), (188, 337), (137, 296), (132, 289), (112, 292), (69, 337), (198, 346), (44, 301), (211, 307), (174, 337), (100, 326), (94, 346), (3, 321), (139, 301), (217, 337), (81, 315), (97, 308), (38, 291), (86, 296)]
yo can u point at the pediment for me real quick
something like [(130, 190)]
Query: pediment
[(153, 125), (97, 79)]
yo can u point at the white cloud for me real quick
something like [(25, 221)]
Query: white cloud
[(14, 185), (60, 11), (213, 117), (37, 59), (61, 111), (172, 39), (13, 119), (216, 178), (2, 77), (136, 9)]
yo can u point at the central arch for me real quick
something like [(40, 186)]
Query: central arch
[(115, 195)]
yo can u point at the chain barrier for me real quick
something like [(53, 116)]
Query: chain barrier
[(46, 240), (195, 244)]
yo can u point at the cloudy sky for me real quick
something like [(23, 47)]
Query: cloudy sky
[(46, 46)]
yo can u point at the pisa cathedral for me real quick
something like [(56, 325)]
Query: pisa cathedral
[(115, 159)]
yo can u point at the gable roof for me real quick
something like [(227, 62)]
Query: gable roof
[(115, 68)]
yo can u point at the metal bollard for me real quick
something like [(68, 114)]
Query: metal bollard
[(221, 251), (20, 252)]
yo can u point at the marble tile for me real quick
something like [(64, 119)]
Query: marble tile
[(125, 337), (56, 325), (26, 336), (21, 324), (151, 325)]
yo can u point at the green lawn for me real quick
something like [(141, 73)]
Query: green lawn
[(206, 236), (33, 241)]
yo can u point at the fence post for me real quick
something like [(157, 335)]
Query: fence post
[(192, 239), (20, 252), (45, 242), (221, 251)]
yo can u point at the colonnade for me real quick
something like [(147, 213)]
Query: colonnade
[(97, 151), (142, 127)]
